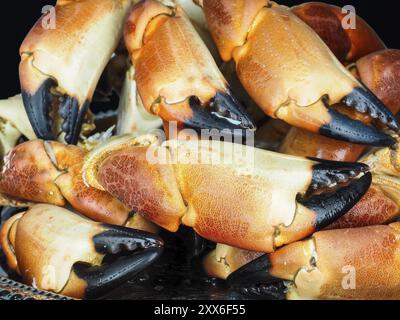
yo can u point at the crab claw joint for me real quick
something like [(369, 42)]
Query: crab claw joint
[(58, 251)]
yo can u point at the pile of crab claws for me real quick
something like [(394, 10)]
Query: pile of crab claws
[(143, 248), (225, 113)]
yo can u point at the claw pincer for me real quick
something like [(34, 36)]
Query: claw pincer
[(291, 74), (338, 264), (60, 67), (56, 250), (257, 205), (176, 75)]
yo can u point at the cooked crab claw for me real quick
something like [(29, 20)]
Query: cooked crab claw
[(60, 67), (50, 172), (176, 76), (290, 72), (359, 263), (225, 260), (145, 248), (348, 44), (59, 251), (228, 193), (379, 71)]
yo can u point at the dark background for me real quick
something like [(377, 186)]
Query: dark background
[(17, 17)]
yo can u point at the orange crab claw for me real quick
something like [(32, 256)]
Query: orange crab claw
[(176, 76), (379, 72), (50, 172), (337, 264), (273, 210), (348, 44), (54, 249), (28, 173), (291, 74), (65, 63)]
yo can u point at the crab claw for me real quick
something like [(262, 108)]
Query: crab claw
[(226, 260), (50, 172), (291, 74), (359, 263), (67, 62), (28, 173), (145, 248), (348, 44), (59, 251), (379, 72), (169, 186), (181, 82)]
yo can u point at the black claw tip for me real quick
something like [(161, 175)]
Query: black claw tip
[(38, 107), (109, 276), (327, 174), (364, 101), (135, 250), (119, 239), (330, 207), (343, 128), (73, 116), (227, 107), (254, 273), (224, 113)]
